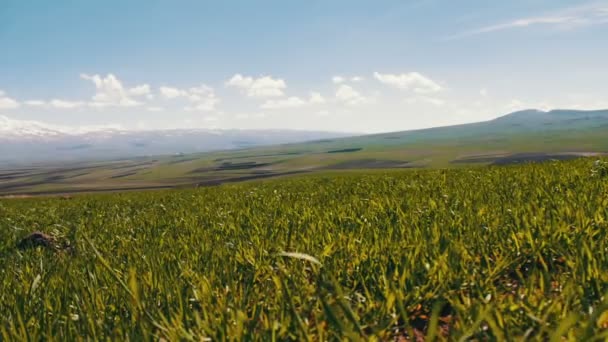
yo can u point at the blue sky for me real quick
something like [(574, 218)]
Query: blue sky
[(362, 66)]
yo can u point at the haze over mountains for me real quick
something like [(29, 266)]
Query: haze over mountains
[(26, 142)]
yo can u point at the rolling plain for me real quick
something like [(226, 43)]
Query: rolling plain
[(514, 138)]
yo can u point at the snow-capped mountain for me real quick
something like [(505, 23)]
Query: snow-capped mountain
[(20, 129), (11, 129), (23, 142)]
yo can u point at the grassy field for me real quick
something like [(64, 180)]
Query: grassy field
[(487, 253)]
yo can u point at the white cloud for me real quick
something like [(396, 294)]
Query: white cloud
[(63, 104), (197, 94), (417, 82), (342, 79), (155, 109), (483, 92), (201, 98), (524, 23), (316, 98), (350, 96), (294, 102), (140, 90), (568, 18), (111, 92), (291, 102), (265, 86), (171, 93), (338, 79), (34, 103), (7, 102), (205, 105)]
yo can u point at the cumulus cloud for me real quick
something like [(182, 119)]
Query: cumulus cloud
[(414, 81), (316, 98), (265, 86), (343, 79), (63, 104), (140, 90), (7, 102), (57, 103), (338, 79), (350, 95), (201, 98), (205, 105), (201, 93), (35, 103), (294, 102), (171, 93), (110, 91), (155, 109)]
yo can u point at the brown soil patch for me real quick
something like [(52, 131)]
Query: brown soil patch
[(37, 239)]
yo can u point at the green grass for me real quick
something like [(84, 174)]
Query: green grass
[(490, 253)]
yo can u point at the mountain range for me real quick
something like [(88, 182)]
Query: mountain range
[(38, 159), (23, 142)]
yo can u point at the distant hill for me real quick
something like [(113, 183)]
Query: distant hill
[(525, 136), (523, 124), (555, 119)]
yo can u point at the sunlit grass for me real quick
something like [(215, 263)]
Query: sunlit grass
[(488, 253)]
